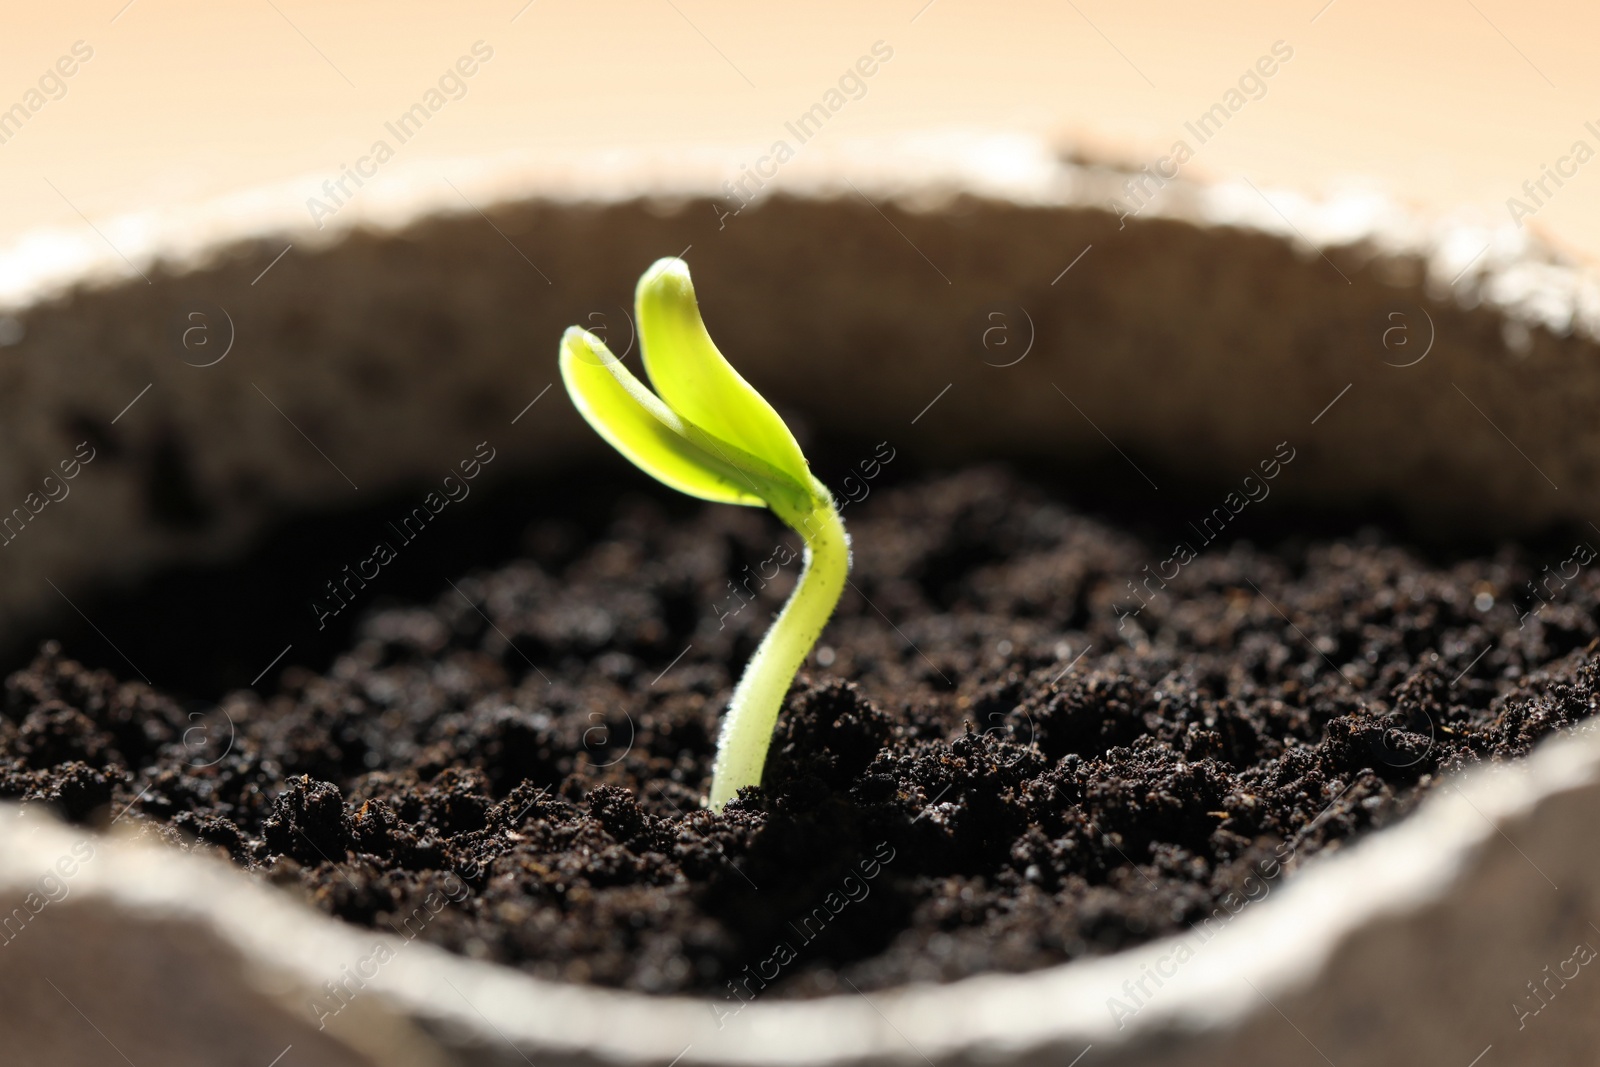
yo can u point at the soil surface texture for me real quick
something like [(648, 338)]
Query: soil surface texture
[(1000, 757)]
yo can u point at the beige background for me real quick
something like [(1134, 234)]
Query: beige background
[(1452, 103)]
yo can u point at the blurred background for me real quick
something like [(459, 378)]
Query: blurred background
[(1447, 103)]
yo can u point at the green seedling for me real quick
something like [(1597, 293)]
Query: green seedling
[(712, 436)]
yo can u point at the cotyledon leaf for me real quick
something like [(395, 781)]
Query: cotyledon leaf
[(697, 381), (656, 439)]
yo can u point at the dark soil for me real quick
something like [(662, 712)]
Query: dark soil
[(977, 771)]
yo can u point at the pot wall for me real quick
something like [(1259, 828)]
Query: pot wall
[(1163, 354)]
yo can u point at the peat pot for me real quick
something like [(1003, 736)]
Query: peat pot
[(932, 291)]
